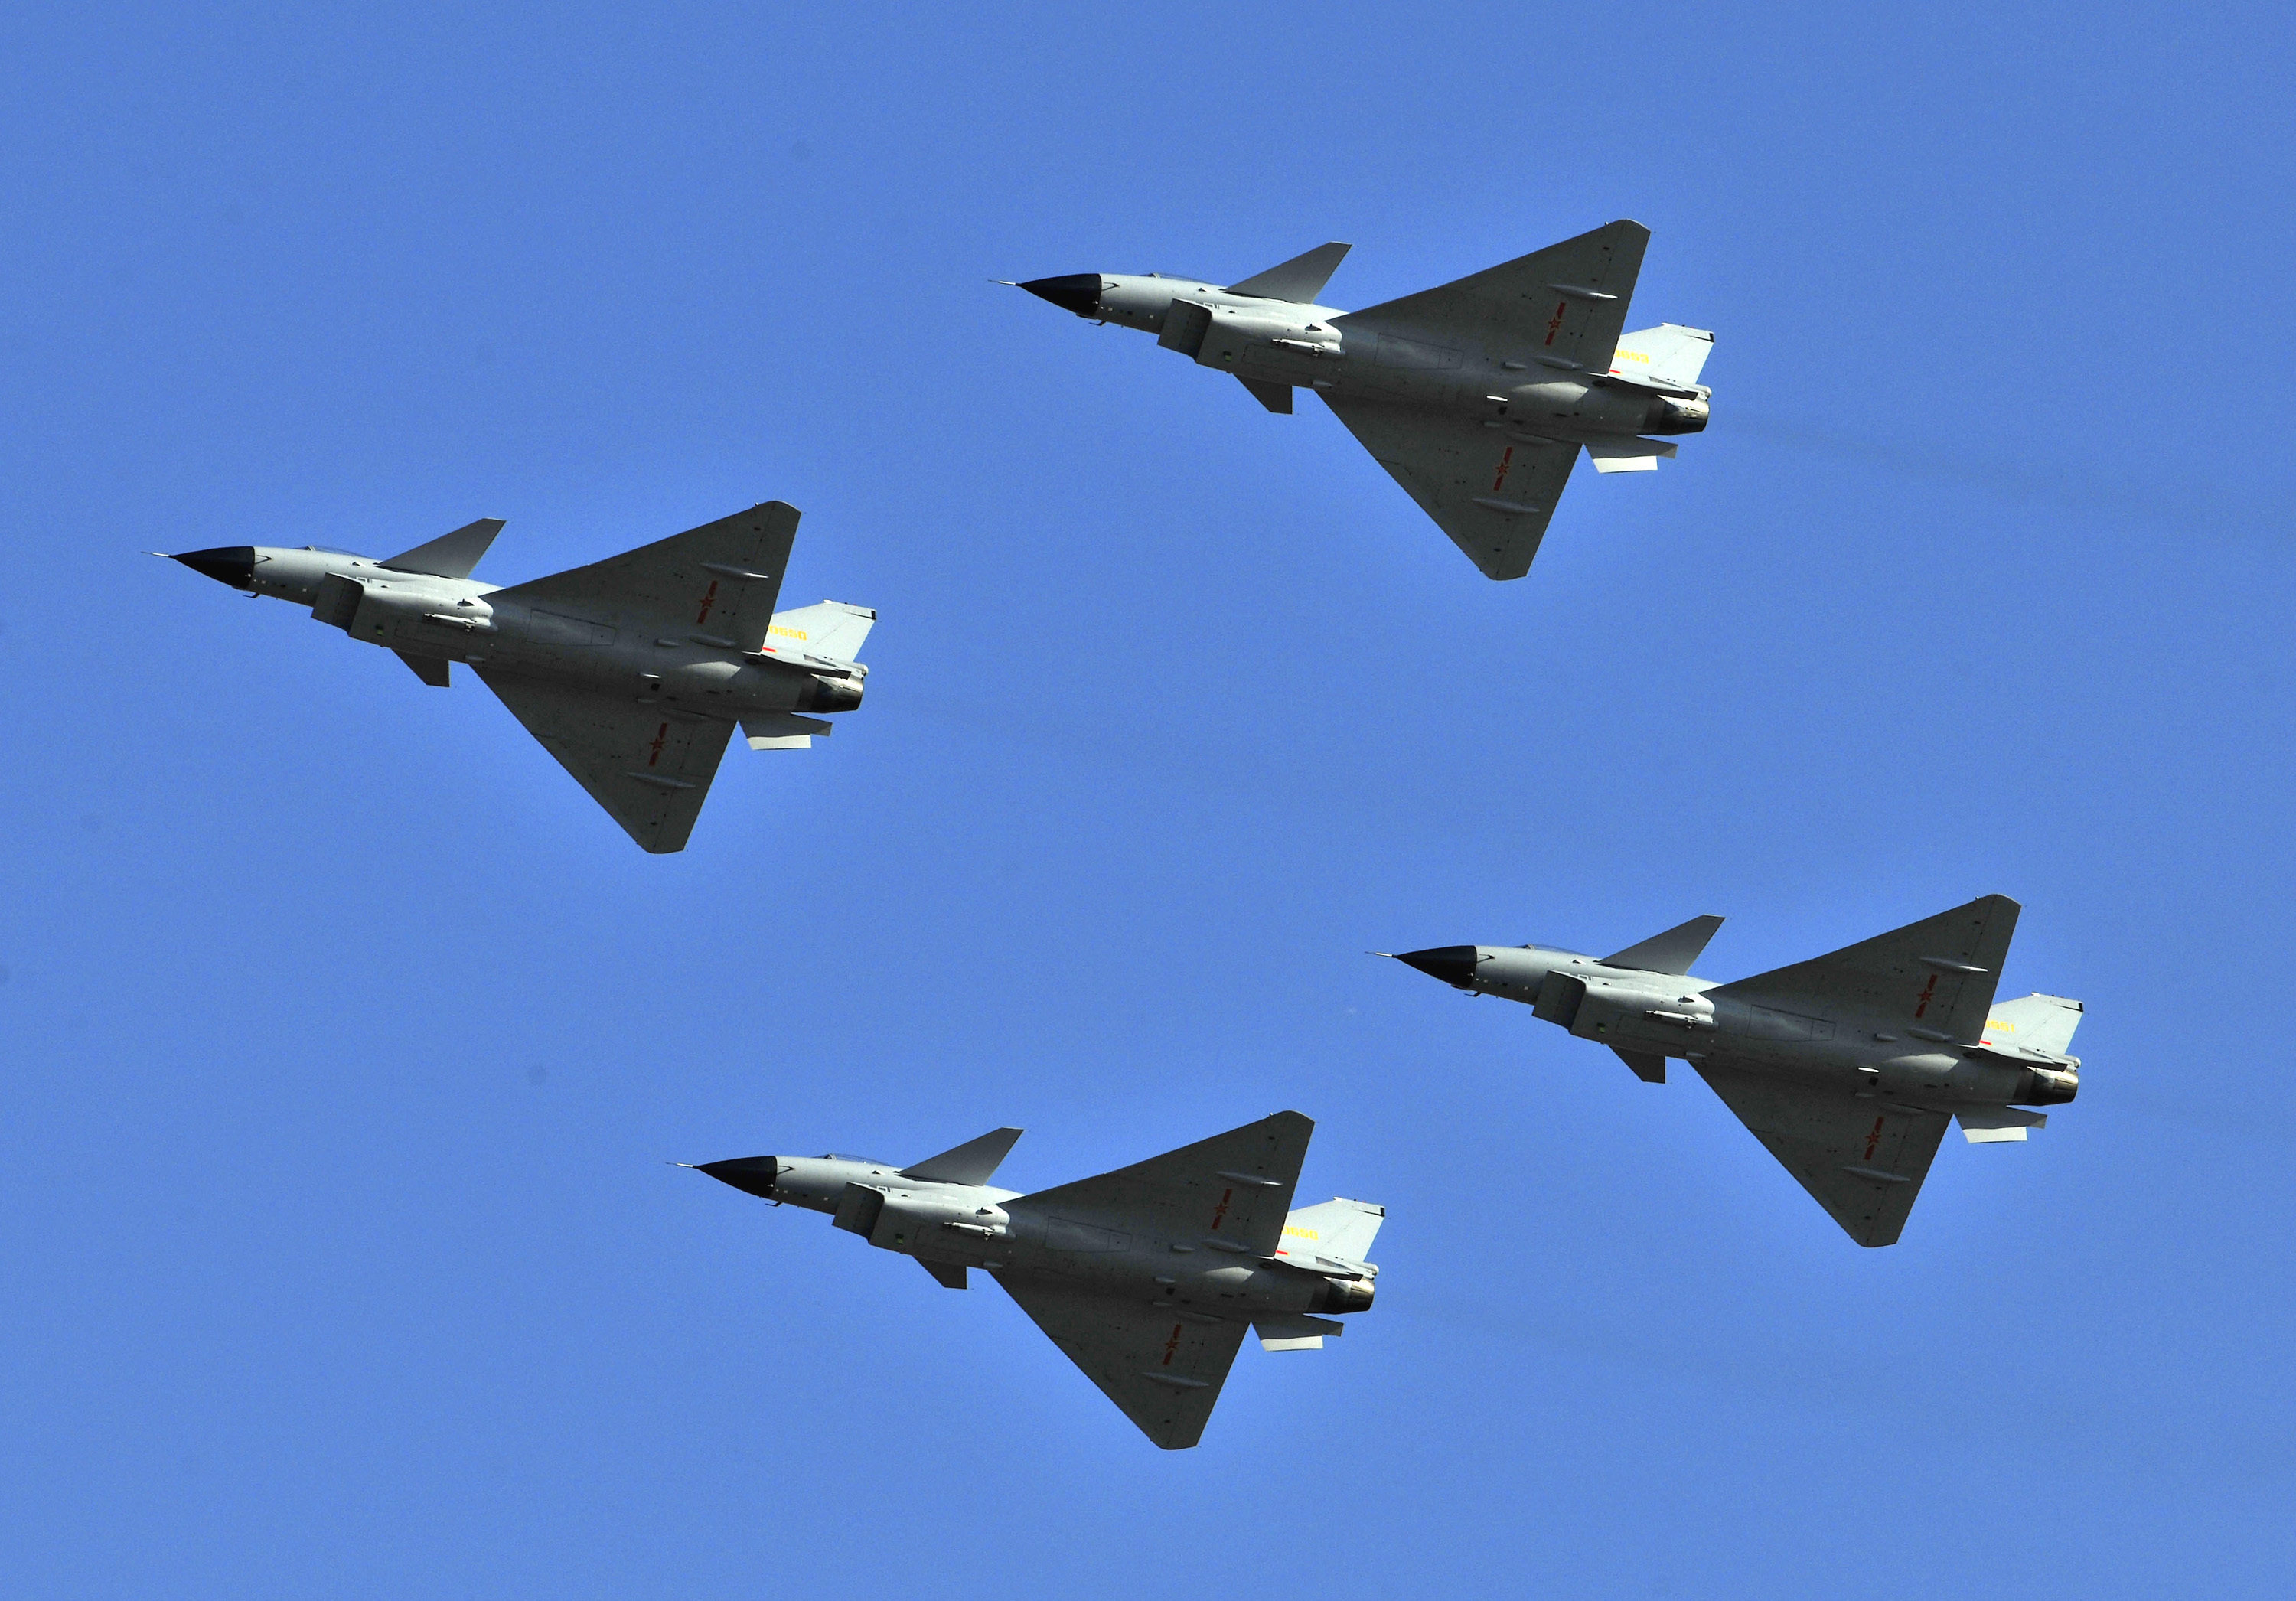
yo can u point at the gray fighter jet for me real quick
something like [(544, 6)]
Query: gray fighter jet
[(1146, 1277), (1477, 395), (632, 671), (1848, 1067)]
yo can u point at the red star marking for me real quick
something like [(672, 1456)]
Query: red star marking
[(1220, 1210), (708, 600), (1929, 993), (1506, 462), (1554, 322), (1873, 1139), (657, 738), (1171, 1345)]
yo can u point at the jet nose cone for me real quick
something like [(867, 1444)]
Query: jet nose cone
[(1453, 964), (233, 565), (751, 1175), (1077, 291)]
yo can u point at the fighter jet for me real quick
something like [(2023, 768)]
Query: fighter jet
[(1145, 1278), (1848, 1066), (632, 671), (1477, 395)]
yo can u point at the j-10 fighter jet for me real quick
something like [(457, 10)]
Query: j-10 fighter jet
[(1477, 395), (1145, 1278), (1848, 1066), (632, 671)]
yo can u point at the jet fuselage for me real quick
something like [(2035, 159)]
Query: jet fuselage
[(970, 1224), (455, 619), (1823, 1041), (1374, 357)]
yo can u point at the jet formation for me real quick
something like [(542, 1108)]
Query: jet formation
[(632, 671), (1147, 1277), (1476, 396), (1848, 1066)]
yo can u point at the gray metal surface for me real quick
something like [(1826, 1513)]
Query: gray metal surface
[(632, 671), (1476, 396), (1846, 1067), (1147, 1277)]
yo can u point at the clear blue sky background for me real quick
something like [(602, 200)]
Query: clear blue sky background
[(346, 1040)]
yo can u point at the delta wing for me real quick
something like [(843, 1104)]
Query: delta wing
[(649, 765), (1567, 302), (715, 583), (1163, 1368), (1493, 495), (1937, 976), (1234, 1187), (1861, 1158)]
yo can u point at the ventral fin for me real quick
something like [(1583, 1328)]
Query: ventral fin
[(1274, 396), (1648, 1066), (434, 670)]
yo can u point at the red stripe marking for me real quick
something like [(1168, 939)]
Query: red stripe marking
[(1554, 322), (708, 600), (1220, 1210), (1873, 1139), (1171, 1345), (1506, 462), (657, 738), (1929, 992)]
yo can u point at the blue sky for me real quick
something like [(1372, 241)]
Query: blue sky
[(346, 1041)]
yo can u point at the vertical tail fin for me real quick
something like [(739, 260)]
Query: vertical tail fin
[(1299, 280), (831, 628), (1339, 1228), (971, 1162), (1671, 952), (449, 555), (1669, 353), (2037, 1022)]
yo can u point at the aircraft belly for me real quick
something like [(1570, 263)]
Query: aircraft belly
[(1758, 1057), (552, 657), (1927, 1078), (1987, 1082), (1234, 1292), (1797, 1065), (1629, 1027), (1084, 1255), (1086, 1271), (712, 685), (1272, 363), (1416, 391), (1069, 1250), (1598, 411), (1283, 1293)]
